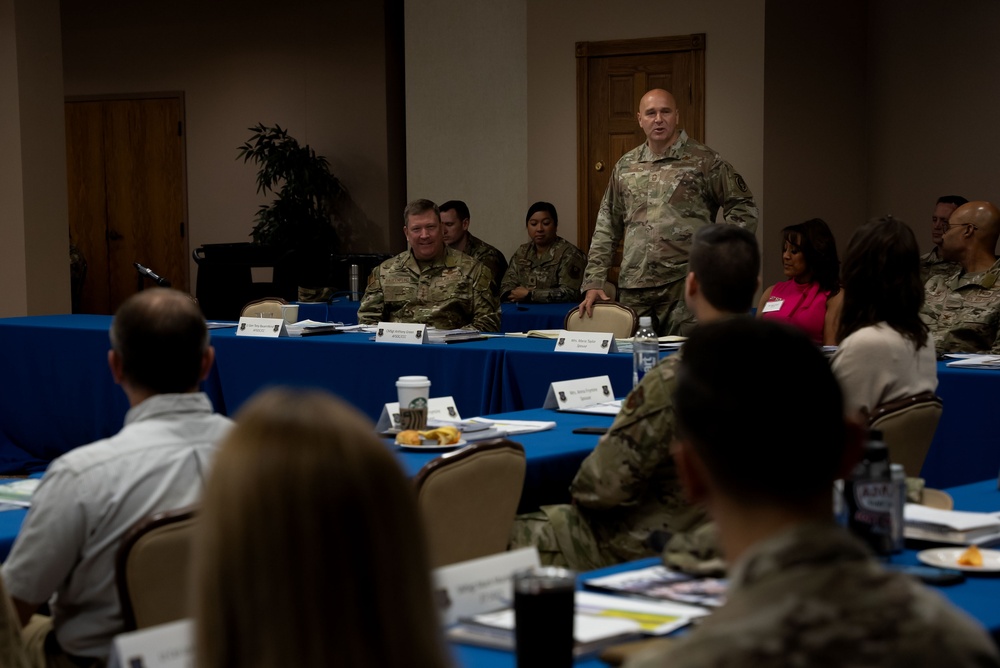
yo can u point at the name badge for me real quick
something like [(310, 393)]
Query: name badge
[(585, 342), (401, 332), (438, 408), (479, 585), (269, 328), (773, 304), (566, 394)]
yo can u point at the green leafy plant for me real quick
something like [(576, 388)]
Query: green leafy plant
[(300, 217)]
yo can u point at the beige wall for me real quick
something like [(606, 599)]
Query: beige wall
[(815, 139), (34, 239), (934, 74), (734, 75), (467, 111), (314, 68)]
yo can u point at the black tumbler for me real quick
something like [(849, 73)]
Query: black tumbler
[(543, 612)]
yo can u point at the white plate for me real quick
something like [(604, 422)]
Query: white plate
[(947, 557), (432, 448)]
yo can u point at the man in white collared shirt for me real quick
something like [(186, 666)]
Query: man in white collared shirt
[(91, 496)]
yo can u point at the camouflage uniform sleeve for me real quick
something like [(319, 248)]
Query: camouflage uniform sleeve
[(608, 231), (486, 307), (734, 196), (569, 277), (511, 279), (373, 303), (616, 472)]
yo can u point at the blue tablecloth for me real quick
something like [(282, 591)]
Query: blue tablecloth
[(513, 317), (58, 392)]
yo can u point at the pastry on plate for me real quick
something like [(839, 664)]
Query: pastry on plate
[(971, 557), (408, 437)]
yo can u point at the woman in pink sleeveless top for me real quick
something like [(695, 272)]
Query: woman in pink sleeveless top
[(811, 298)]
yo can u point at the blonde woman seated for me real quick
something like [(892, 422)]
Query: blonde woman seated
[(310, 550), (885, 350), (548, 268)]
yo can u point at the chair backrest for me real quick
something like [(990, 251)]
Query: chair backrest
[(612, 317), (908, 427), (468, 499), (152, 569), (268, 307)]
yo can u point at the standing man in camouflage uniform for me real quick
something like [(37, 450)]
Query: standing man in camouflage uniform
[(962, 309), (548, 268), (931, 263), (455, 227), (627, 500), (430, 283), (658, 195), (802, 591)]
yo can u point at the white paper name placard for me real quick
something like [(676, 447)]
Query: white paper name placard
[(586, 342), (566, 394), (270, 328), (164, 646), (479, 585), (438, 408), (401, 332)]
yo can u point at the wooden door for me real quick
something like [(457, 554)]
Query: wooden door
[(127, 199), (611, 79)]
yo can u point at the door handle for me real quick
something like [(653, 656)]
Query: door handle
[(599, 166)]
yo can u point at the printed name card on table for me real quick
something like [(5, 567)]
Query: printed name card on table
[(165, 646), (600, 343), (401, 332), (438, 408), (570, 394), (270, 328), (479, 585)]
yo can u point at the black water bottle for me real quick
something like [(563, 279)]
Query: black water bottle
[(868, 496)]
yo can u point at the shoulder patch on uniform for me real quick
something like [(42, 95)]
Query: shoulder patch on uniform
[(741, 184), (574, 272), (636, 398)]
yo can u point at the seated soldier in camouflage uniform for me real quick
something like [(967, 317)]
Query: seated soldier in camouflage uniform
[(931, 262), (455, 221), (802, 591), (962, 309), (430, 283), (627, 501), (548, 268)]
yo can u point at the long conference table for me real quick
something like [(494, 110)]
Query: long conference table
[(58, 393)]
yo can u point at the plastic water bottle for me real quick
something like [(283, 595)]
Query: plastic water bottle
[(645, 349), (868, 496)]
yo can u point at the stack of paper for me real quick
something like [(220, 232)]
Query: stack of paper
[(950, 526), (971, 361), (18, 492)]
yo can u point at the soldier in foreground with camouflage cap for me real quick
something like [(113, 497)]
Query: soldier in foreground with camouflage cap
[(962, 308), (658, 195), (430, 283), (627, 501), (802, 591)]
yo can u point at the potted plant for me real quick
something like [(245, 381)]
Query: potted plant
[(299, 221)]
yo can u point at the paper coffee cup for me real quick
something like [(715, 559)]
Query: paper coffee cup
[(290, 313), (413, 391)]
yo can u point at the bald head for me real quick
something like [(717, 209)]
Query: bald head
[(984, 216), (659, 119)]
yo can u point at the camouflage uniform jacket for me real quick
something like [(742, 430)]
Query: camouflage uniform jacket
[(554, 277), (627, 488), (494, 260), (963, 311), (931, 264), (814, 596), (657, 203), (448, 293)]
